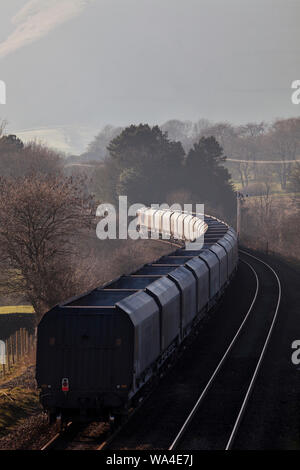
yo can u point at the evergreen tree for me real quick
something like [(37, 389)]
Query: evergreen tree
[(207, 178), (149, 164)]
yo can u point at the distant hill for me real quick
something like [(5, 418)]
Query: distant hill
[(66, 139)]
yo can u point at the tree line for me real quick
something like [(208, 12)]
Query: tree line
[(46, 211), (147, 166), (246, 144)]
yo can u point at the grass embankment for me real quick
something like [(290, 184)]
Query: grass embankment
[(15, 371), (15, 404), (19, 397)]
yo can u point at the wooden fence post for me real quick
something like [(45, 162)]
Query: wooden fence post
[(12, 350), (21, 344), (17, 346)]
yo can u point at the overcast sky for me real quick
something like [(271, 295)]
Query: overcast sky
[(92, 62)]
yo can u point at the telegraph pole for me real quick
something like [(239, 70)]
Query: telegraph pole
[(239, 201)]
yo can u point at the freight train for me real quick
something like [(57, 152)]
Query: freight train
[(96, 353)]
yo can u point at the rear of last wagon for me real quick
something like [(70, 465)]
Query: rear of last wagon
[(84, 360)]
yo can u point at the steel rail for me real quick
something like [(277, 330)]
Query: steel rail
[(261, 357), (53, 439), (219, 366)]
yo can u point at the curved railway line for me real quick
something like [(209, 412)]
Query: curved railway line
[(216, 415), (182, 438), (218, 403)]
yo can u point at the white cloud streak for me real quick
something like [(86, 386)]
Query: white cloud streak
[(37, 18)]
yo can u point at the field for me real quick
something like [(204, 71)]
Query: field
[(16, 309)]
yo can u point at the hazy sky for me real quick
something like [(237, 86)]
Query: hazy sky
[(91, 62)]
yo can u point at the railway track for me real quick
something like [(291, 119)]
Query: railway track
[(229, 389), (217, 415), (88, 436), (216, 411), (80, 436)]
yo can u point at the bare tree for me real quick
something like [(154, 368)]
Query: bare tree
[(41, 159), (243, 150), (260, 219), (253, 129), (17, 159), (284, 145), (40, 220), (251, 136), (295, 186), (295, 179), (97, 149), (3, 125), (224, 133), (238, 143)]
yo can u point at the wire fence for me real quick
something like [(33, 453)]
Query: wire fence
[(19, 349)]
